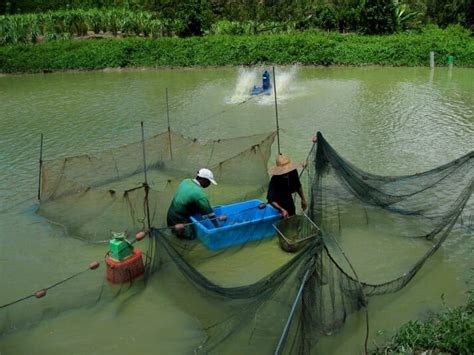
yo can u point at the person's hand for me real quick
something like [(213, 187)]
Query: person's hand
[(284, 213), (304, 204)]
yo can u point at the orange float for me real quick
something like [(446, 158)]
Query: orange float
[(119, 272), (124, 262)]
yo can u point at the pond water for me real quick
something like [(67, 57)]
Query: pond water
[(388, 121)]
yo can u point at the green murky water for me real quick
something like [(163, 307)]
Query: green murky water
[(384, 120)]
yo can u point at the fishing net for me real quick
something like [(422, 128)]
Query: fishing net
[(256, 297), (92, 195), (270, 295)]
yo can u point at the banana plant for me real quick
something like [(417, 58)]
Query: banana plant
[(402, 15)]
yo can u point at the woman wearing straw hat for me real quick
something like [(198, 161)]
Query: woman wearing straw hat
[(283, 183)]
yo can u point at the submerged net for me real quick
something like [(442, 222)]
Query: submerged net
[(255, 297)]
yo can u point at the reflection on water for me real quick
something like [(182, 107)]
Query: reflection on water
[(388, 121)]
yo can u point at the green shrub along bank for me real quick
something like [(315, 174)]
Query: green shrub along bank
[(449, 332), (312, 48)]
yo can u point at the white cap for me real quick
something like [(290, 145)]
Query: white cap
[(206, 174)]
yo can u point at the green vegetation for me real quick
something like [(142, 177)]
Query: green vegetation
[(450, 332), (53, 35), (48, 26), (317, 48), (186, 18)]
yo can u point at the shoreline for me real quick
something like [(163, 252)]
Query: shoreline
[(304, 49), (212, 67)]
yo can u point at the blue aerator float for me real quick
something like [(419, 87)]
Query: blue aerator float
[(266, 86)]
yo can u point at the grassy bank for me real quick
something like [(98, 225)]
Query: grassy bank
[(317, 48), (449, 332)]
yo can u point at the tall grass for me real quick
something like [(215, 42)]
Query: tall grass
[(449, 332)]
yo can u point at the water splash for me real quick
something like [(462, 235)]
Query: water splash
[(248, 78)]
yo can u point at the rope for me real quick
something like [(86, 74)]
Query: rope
[(47, 288), (223, 111)]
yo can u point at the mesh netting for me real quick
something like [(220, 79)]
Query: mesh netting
[(394, 209), (286, 301), (266, 296), (92, 195)]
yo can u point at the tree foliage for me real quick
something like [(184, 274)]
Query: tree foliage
[(378, 16), (197, 17)]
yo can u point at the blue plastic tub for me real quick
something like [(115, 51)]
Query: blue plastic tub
[(245, 222)]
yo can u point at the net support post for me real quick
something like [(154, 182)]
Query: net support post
[(450, 62), (169, 126), (276, 111), (145, 184), (144, 156), (40, 170)]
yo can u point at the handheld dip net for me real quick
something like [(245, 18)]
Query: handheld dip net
[(254, 296)]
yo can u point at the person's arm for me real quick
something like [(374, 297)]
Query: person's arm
[(271, 198), (296, 186), (213, 219), (207, 211), (304, 204), (283, 212)]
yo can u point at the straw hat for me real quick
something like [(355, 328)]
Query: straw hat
[(283, 165)]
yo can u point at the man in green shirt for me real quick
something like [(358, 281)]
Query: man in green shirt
[(189, 200)]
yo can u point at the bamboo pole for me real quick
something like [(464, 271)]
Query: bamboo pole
[(276, 111), (40, 168), (169, 127), (145, 184), (144, 155)]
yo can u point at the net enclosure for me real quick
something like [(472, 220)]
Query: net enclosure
[(255, 297), (94, 194), (290, 300)]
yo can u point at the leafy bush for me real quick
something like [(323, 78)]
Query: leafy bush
[(317, 48), (378, 17)]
